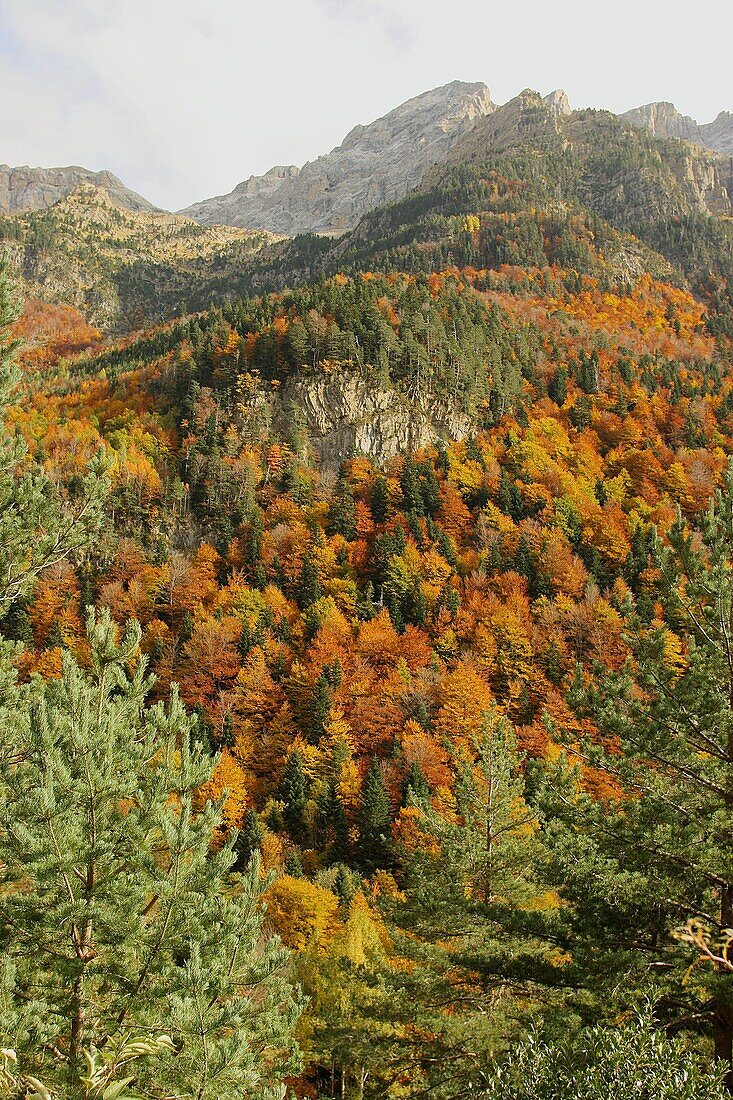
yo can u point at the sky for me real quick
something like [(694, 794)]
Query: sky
[(182, 99)]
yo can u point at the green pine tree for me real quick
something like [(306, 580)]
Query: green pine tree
[(342, 512), (337, 826), (636, 1060), (415, 788), (309, 585), (374, 820), (320, 705), (379, 503), (249, 840), (294, 793), (118, 917), (473, 918)]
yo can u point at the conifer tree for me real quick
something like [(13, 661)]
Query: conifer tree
[(337, 826), (415, 787), (469, 917), (342, 514), (294, 793), (118, 918), (374, 819), (636, 1060), (309, 585), (379, 503), (249, 840), (320, 704)]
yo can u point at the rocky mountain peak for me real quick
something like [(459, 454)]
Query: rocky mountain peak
[(558, 102), (665, 121), (24, 189), (527, 119), (374, 164)]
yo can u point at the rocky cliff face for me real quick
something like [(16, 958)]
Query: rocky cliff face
[(718, 135), (664, 120), (24, 190), (373, 165), (346, 415), (528, 119)]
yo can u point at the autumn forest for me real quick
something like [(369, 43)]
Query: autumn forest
[(366, 672)]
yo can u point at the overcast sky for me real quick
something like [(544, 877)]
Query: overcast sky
[(184, 98)]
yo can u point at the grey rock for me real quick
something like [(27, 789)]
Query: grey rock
[(255, 191), (27, 189), (558, 102), (374, 164), (718, 135), (346, 415), (526, 119), (665, 121)]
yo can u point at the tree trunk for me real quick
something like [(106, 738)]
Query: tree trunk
[(723, 1003), (723, 1037)]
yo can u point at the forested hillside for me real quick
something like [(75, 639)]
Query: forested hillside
[(527, 187), (412, 670), (123, 268), (366, 687)]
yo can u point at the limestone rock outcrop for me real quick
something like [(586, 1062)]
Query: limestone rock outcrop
[(24, 190), (346, 415), (374, 164), (665, 121)]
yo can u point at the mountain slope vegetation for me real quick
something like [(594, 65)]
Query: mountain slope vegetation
[(123, 269), (381, 692), (532, 187)]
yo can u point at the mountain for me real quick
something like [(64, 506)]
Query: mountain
[(119, 267), (532, 183), (535, 184), (29, 189), (426, 549), (664, 120), (374, 164), (603, 161)]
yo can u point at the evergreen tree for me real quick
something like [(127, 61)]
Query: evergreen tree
[(320, 706), (415, 788), (16, 624), (292, 864), (379, 503), (294, 793), (227, 736), (558, 387), (309, 586), (366, 606), (337, 826), (249, 840), (342, 514), (117, 919), (374, 820), (633, 1062), (429, 488), (412, 500), (470, 918)]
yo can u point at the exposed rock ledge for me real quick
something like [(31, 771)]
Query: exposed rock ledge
[(348, 415)]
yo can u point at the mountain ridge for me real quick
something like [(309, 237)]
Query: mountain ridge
[(664, 120), (119, 267), (373, 164), (25, 190)]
